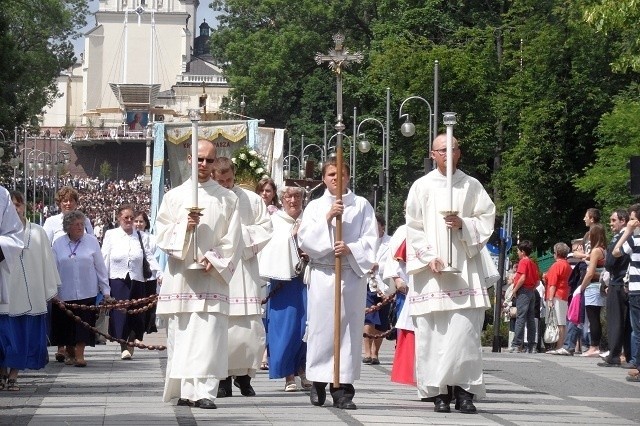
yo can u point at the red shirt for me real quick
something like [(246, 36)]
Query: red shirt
[(558, 277), (529, 269)]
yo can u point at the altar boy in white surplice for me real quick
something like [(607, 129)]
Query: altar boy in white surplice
[(246, 330), (316, 237)]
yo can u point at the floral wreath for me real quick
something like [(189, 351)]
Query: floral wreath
[(249, 166)]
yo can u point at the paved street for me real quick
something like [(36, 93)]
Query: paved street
[(522, 389)]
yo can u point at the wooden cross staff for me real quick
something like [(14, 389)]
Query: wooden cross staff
[(338, 58)]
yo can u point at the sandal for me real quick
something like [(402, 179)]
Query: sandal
[(11, 385), (290, 386), (80, 363), (69, 361), (264, 365), (3, 381), (60, 356)]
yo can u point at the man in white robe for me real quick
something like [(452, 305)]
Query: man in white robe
[(246, 330), (357, 248), (194, 296), (11, 233), (448, 308)]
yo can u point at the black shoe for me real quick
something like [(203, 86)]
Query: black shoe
[(626, 365), (442, 404), (464, 401), (428, 399), (184, 403), (244, 383), (318, 394), (345, 403), (206, 404), (466, 407), (224, 389), (608, 364)]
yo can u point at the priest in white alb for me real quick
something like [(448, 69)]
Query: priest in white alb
[(357, 248), (448, 308), (194, 296), (246, 329)]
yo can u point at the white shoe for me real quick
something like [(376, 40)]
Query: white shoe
[(603, 355), (125, 354), (564, 351), (552, 352), (290, 387)]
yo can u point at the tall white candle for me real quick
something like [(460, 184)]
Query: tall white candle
[(450, 167), (194, 163)]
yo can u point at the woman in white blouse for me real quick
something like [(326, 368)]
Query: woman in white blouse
[(141, 224), (123, 254), (83, 273)]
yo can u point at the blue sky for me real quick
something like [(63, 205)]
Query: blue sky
[(204, 12)]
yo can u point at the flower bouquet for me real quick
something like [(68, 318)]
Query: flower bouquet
[(249, 167)]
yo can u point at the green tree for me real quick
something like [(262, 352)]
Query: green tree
[(619, 138), (619, 18), (528, 79), (105, 170), (34, 47)]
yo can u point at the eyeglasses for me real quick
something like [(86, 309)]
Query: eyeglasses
[(443, 151), (208, 160), (292, 196)]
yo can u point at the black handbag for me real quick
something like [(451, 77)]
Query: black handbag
[(146, 268)]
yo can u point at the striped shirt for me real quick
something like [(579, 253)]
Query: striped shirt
[(632, 248)]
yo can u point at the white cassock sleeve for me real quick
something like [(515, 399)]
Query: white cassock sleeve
[(257, 233), (172, 235), (11, 233)]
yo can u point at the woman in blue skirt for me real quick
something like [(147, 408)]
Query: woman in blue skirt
[(287, 304), (33, 281)]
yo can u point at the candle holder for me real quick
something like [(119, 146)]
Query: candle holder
[(194, 240)]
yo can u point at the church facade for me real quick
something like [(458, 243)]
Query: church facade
[(144, 61)]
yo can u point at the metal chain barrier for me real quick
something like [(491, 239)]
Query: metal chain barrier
[(385, 301), (119, 305)]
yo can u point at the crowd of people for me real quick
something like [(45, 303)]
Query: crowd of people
[(252, 273), (580, 283)]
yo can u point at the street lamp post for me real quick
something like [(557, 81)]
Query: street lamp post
[(408, 129), (323, 155), (287, 165), (364, 146), (60, 158)]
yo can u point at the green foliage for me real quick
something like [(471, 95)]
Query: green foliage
[(619, 17), (529, 80), (34, 48), (606, 178), (105, 170)]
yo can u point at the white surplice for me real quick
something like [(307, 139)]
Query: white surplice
[(316, 237), (11, 234), (195, 302), (446, 306), (246, 330), (35, 278), (279, 257)]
